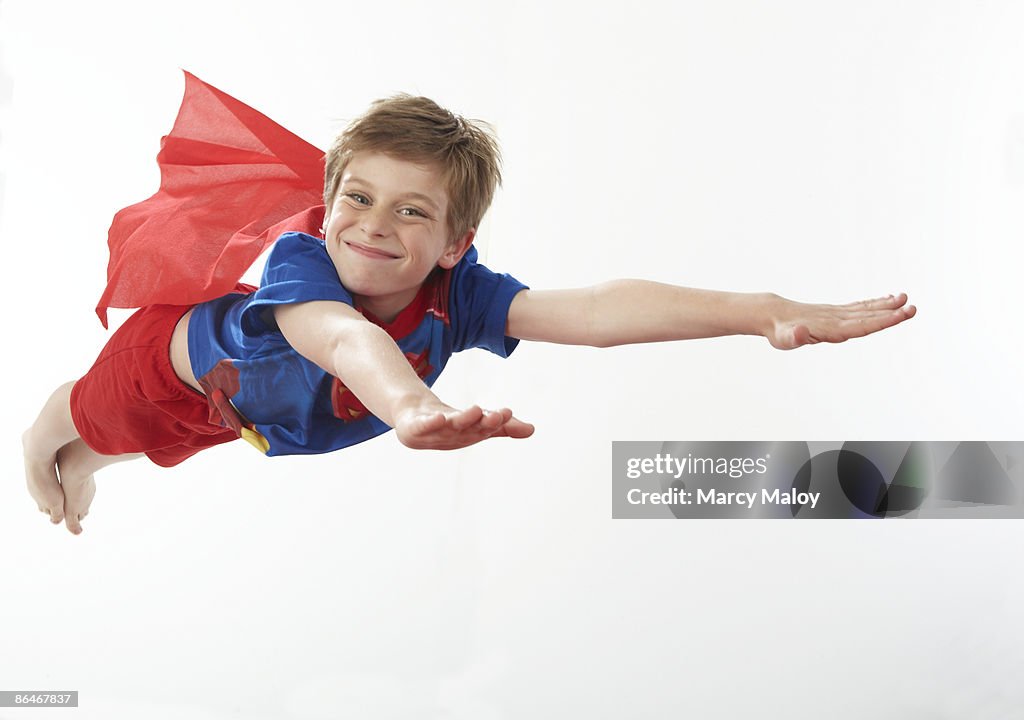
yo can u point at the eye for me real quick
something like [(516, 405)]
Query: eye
[(358, 198), (412, 212)]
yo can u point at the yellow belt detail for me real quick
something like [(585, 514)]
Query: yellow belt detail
[(256, 439)]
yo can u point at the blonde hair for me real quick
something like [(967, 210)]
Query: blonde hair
[(416, 129)]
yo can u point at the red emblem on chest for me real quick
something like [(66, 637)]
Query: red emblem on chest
[(348, 407)]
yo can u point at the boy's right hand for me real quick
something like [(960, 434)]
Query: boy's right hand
[(448, 429)]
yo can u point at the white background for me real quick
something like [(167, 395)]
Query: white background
[(824, 151)]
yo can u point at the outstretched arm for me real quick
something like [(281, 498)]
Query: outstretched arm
[(621, 312), (367, 360)]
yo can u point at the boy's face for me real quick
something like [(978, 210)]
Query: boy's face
[(386, 230)]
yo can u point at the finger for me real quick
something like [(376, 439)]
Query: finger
[(427, 423), (490, 424), (874, 322), (494, 419), (515, 428), (486, 421), (464, 419), (883, 303), (896, 316)]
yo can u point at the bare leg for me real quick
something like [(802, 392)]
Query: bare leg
[(51, 430), (52, 439)]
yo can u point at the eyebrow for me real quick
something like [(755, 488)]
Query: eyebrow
[(414, 195)]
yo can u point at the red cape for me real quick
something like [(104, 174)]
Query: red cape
[(231, 181)]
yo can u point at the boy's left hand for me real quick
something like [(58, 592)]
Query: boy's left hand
[(794, 324)]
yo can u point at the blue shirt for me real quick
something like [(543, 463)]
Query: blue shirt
[(257, 384)]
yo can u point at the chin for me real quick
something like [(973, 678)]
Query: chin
[(357, 287)]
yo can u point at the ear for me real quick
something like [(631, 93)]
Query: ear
[(456, 250)]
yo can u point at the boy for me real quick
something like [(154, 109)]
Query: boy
[(349, 329)]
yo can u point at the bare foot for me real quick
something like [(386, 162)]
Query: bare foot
[(41, 478), (78, 495)]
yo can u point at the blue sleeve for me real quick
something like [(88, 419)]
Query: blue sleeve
[(478, 302), (298, 270)]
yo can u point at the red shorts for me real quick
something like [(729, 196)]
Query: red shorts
[(131, 401)]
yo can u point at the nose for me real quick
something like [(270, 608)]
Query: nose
[(376, 221)]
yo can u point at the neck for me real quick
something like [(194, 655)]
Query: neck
[(383, 309)]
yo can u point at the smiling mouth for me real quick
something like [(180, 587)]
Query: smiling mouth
[(371, 252)]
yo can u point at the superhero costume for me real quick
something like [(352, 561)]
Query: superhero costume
[(131, 400), (231, 181), (181, 247), (244, 364)]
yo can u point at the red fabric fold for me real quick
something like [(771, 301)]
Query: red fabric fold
[(231, 181)]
